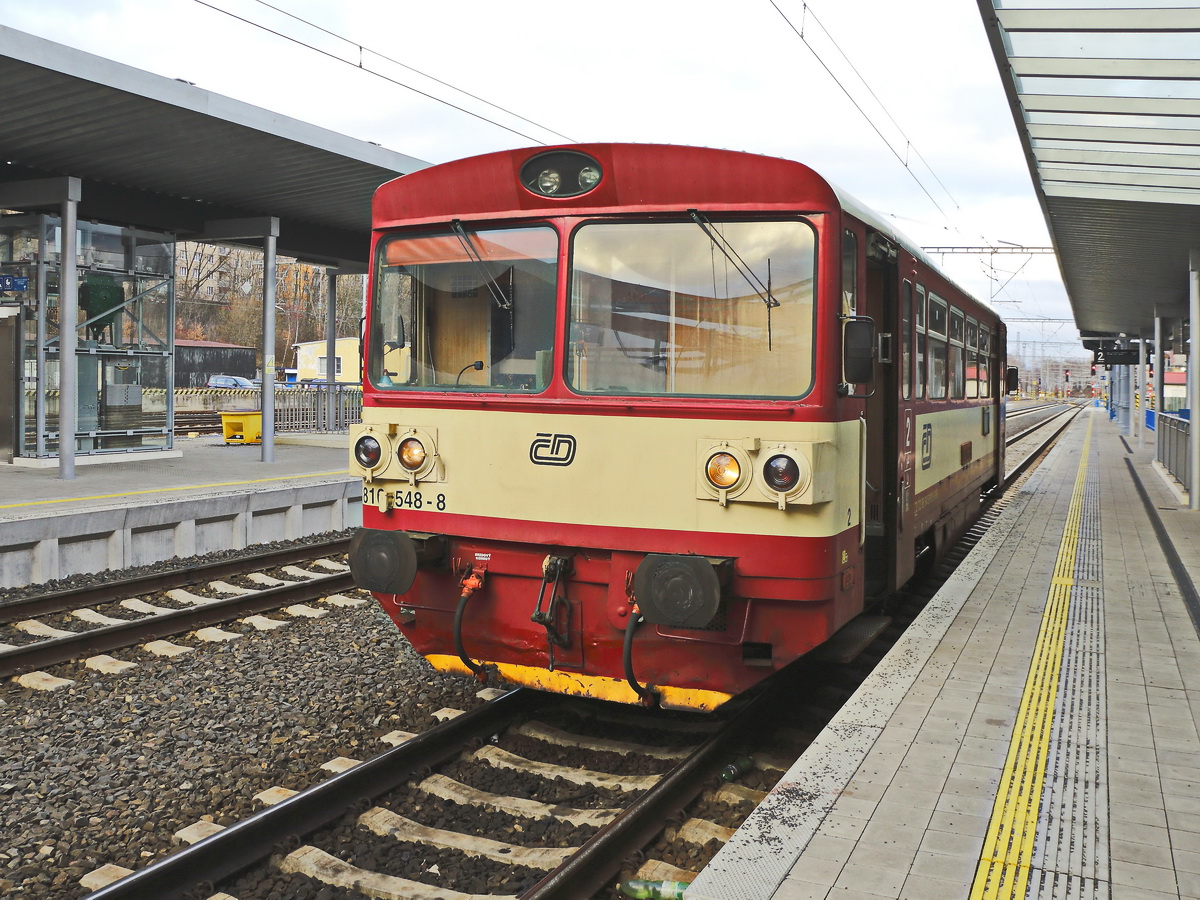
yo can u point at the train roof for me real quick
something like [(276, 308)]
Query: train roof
[(867, 215)]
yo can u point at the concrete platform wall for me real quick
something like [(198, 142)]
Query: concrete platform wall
[(71, 542)]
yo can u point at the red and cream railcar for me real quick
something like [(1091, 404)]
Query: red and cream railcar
[(648, 423)]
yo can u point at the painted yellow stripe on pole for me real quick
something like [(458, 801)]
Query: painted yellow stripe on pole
[(178, 487), (1003, 872)]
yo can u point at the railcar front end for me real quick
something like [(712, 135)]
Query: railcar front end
[(613, 444)]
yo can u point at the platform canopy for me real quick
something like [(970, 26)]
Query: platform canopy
[(166, 155), (1106, 98)]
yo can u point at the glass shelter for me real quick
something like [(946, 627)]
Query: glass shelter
[(124, 337)]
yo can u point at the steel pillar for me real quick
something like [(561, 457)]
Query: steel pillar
[(268, 373), (68, 317), (1193, 379)]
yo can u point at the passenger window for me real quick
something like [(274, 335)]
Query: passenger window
[(972, 357), (956, 361), (919, 318), (849, 273), (906, 341), (937, 349), (985, 349)]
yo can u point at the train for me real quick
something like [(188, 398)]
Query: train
[(648, 423)]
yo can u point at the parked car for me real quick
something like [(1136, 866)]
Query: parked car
[(231, 381)]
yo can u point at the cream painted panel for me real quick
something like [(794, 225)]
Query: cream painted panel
[(628, 472), (939, 438)]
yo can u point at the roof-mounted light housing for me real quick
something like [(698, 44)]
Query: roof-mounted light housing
[(561, 173)]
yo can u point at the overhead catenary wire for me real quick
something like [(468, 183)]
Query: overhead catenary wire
[(909, 145), (359, 65)]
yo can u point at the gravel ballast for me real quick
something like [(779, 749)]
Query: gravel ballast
[(106, 770)]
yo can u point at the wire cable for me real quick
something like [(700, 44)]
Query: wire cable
[(378, 74), (909, 146), (397, 62)]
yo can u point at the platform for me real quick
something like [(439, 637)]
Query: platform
[(136, 511), (1033, 734)]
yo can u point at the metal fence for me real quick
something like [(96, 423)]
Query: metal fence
[(1173, 442), (319, 407)]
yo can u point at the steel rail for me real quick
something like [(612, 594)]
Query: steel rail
[(59, 601), (1034, 454), (1009, 441), (54, 651), (224, 854), (1029, 410), (599, 859)]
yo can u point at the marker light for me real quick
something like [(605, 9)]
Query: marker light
[(723, 470), (367, 451), (781, 473), (411, 454)]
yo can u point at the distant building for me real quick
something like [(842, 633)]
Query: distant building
[(195, 361), (311, 363)]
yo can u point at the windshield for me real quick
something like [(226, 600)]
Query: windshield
[(712, 309), (464, 310)]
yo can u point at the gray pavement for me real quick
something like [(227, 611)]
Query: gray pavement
[(1033, 735)]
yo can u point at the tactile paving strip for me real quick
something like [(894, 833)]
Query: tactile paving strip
[(1049, 831), (1071, 850)]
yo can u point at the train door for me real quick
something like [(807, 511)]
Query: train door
[(882, 520)]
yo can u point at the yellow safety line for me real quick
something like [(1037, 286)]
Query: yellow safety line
[(1005, 861), (178, 487)]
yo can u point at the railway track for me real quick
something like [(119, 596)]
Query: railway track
[(1032, 442), (570, 829), (115, 614), (403, 817), (1038, 417)]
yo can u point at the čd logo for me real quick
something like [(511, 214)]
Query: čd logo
[(552, 450)]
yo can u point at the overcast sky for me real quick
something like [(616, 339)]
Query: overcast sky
[(713, 73)]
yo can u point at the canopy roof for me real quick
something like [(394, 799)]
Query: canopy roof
[(1106, 98), (166, 155)]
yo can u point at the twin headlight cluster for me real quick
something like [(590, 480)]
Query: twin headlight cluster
[(783, 473), (410, 454), (561, 173)]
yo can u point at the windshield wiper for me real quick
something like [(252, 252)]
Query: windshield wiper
[(481, 267), (718, 240), (731, 254)]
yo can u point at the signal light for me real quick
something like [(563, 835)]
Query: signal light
[(781, 473), (411, 454), (723, 470), (367, 452)]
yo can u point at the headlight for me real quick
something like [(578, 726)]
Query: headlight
[(549, 181), (589, 177), (781, 473), (723, 470), (411, 454), (367, 451)]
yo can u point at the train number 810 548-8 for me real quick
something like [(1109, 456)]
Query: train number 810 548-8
[(377, 496)]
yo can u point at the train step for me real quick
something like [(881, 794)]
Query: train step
[(852, 639)]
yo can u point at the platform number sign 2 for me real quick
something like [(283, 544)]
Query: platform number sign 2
[(926, 445)]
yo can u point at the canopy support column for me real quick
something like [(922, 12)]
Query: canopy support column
[(1193, 380)]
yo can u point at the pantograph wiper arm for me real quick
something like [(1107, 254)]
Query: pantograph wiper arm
[(481, 267)]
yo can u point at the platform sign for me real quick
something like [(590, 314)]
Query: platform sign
[(1113, 357), (13, 283)]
